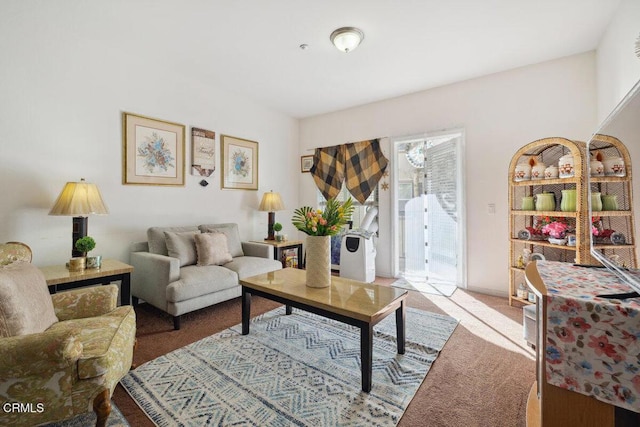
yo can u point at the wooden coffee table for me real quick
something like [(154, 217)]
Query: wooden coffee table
[(348, 301)]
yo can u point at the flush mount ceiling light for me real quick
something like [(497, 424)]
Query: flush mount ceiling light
[(347, 39)]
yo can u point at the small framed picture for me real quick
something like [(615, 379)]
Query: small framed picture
[(203, 152), (305, 163)]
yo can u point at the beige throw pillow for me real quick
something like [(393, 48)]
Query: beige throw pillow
[(212, 249), (182, 246), (25, 303)]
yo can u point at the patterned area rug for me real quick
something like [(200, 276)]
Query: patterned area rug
[(116, 419), (301, 370)]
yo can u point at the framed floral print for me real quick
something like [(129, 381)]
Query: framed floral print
[(153, 152), (239, 163)]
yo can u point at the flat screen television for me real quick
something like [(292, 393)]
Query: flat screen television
[(623, 125)]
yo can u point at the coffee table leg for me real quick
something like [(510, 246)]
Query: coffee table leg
[(400, 336), (366, 355), (246, 310)]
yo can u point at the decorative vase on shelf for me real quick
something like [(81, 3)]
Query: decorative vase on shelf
[(609, 202), (614, 166), (522, 172), (545, 202), (551, 172), (537, 171), (596, 202), (568, 203), (565, 166), (318, 262), (527, 203)]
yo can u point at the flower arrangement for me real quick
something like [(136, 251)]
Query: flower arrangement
[(597, 230), (542, 227), (555, 229), (323, 223)]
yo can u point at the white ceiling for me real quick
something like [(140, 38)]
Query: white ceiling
[(251, 47)]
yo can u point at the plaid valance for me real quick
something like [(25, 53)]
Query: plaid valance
[(360, 163)]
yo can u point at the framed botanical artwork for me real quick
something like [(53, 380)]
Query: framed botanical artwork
[(239, 163), (203, 152), (153, 152), (305, 163)]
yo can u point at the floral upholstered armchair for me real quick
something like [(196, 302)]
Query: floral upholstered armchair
[(60, 355)]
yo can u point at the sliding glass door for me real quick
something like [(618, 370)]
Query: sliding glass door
[(429, 208)]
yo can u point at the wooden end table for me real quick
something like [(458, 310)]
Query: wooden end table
[(59, 278), (280, 247), (355, 303)]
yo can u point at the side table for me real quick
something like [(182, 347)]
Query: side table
[(280, 251), (59, 278)]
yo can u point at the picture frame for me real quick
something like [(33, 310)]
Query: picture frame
[(153, 151), (306, 162), (239, 160), (203, 152)]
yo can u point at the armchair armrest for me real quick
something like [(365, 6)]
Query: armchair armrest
[(43, 352), (85, 302), (260, 250), (151, 275)]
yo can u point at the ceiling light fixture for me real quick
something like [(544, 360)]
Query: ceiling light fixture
[(347, 39)]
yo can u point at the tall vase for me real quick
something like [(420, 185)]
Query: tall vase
[(318, 262)]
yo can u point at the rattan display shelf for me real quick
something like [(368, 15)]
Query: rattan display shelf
[(546, 243), (613, 213), (547, 213), (549, 151), (531, 182)]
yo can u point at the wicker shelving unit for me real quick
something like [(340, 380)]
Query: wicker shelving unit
[(549, 151)]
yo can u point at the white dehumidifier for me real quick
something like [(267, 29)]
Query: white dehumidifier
[(358, 256)]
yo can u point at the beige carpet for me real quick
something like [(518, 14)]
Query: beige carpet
[(481, 378)]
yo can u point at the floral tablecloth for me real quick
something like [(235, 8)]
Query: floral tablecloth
[(593, 344)]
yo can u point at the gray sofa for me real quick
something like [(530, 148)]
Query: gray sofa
[(166, 274)]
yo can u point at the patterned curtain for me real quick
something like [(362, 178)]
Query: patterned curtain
[(364, 166), (328, 170), (360, 163)]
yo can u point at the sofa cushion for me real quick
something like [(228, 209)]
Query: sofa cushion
[(212, 249), (182, 245), (25, 302), (157, 239), (247, 266), (231, 231), (196, 281)]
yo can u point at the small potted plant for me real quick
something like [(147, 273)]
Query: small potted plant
[(85, 245), (277, 227)]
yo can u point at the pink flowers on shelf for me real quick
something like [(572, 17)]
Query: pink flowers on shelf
[(555, 229)]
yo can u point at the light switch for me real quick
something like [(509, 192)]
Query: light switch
[(491, 208)]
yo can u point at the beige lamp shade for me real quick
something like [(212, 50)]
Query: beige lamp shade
[(271, 202), (78, 199)]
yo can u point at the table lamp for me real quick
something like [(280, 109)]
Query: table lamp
[(79, 199), (271, 202)]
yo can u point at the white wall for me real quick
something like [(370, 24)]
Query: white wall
[(63, 86), (500, 113), (618, 67)]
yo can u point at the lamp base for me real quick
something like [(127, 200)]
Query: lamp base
[(80, 227), (272, 220)]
